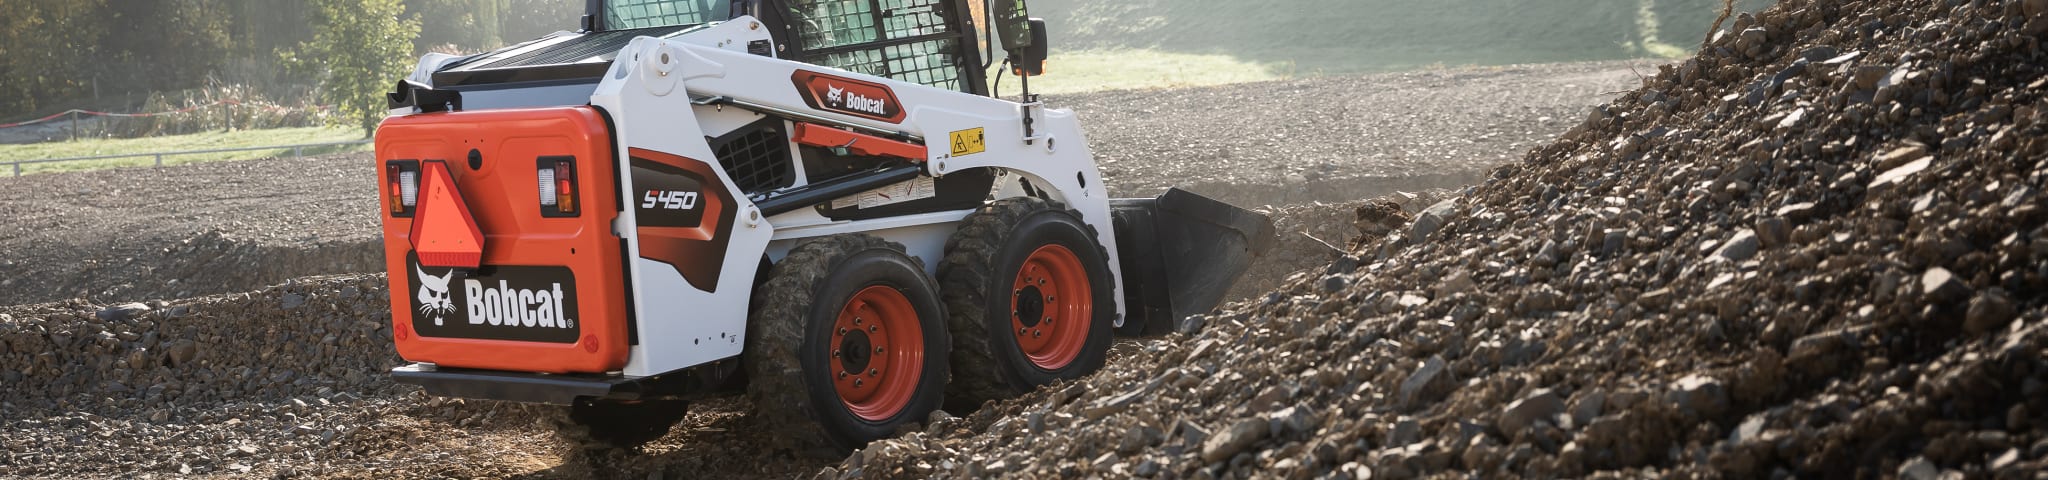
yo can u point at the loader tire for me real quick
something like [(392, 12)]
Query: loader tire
[(832, 306), (616, 425), (1028, 291)]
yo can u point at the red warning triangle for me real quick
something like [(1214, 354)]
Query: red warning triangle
[(443, 232)]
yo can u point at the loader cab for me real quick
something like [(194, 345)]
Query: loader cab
[(927, 42)]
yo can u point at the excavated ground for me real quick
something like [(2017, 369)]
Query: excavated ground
[(1818, 249), (287, 380)]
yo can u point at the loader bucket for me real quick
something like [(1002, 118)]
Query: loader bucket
[(1180, 254)]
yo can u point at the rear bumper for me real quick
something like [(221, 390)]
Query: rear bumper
[(549, 293), (714, 379)]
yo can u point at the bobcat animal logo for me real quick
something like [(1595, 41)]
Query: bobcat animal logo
[(834, 94), (433, 295)]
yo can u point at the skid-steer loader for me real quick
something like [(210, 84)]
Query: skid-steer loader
[(815, 203)]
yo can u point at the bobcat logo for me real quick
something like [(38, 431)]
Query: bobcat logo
[(434, 294), (833, 94)]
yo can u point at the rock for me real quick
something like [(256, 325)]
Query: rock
[(1867, 76), (291, 301), (1750, 430), (1430, 220), (1428, 382), (1588, 407), (1291, 422), (1991, 309), (1406, 431), (1239, 437), (1942, 287), (123, 312), (1541, 405), (1739, 247), (1774, 232), (1919, 469), (1191, 324), (181, 352), (1137, 438), (1892, 177), (1191, 435), (1700, 394), (1900, 156)]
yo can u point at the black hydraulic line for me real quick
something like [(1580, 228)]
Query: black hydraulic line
[(829, 190)]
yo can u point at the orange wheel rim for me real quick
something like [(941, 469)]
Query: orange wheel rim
[(877, 352), (1052, 306)]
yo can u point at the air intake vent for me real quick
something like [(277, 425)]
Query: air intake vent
[(756, 156)]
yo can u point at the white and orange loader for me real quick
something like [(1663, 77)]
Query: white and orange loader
[(815, 203)]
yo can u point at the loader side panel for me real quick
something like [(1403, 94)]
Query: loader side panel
[(547, 295)]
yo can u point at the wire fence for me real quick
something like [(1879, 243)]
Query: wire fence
[(298, 151)]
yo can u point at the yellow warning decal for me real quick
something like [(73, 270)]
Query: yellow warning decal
[(968, 142)]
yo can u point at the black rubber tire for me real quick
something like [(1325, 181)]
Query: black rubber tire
[(982, 258), (606, 424), (789, 373)]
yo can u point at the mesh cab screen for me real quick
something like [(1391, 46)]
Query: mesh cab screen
[(838, 34), (628, 14)]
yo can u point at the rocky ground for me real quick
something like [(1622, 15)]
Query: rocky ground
[(286, 381), (1815, 250)]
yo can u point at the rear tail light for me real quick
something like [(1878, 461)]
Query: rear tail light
[(557, 182), (402, 188)]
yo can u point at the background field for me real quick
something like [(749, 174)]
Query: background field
[(1169, 43)]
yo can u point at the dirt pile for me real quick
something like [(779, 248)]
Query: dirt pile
[(195, 386), (1816, 249)]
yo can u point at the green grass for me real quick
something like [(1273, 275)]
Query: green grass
[(1136, 69), (197, 141)]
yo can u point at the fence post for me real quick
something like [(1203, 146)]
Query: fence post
[(298, 152), (159, 160), (74, 125), (17, 169)]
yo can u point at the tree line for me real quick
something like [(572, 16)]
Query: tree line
[(54, 54)]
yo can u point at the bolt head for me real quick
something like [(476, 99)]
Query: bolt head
[(878, 349), (873, 372), (872, 328)]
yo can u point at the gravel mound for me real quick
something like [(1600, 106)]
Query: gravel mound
[(1815, 249)]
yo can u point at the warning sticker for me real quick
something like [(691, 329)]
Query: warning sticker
[(969, 142), (916, 189)]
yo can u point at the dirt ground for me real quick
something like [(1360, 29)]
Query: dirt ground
[(222, 383)]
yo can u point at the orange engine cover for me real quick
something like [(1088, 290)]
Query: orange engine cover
[(549, 292)]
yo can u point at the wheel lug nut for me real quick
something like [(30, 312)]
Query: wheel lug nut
[(1022, 331), (878, 349), (1034, 333), (872, 328), (842, 331), (842, 374), (856, 320), (857, 383), (873, 372)]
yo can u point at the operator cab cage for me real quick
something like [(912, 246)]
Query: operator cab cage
[(927, 42)]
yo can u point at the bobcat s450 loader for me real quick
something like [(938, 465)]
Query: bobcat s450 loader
[(815, 203)]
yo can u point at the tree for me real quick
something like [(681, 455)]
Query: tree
[(41, 44), (360, 48)]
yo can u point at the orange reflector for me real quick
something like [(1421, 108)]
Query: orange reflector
[(443, 231)]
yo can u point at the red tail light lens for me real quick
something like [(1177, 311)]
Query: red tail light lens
[(401, 187), (557, 182)]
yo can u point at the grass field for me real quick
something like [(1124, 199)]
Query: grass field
[(197, 141)]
